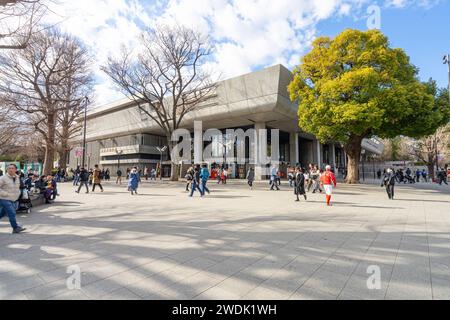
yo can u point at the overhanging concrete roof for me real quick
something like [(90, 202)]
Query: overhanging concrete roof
[(259, 96)]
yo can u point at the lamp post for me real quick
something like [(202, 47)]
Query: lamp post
[(161, 151), (89, 160), (86, 102), (118, 153), (363, 152), (225, 145), (446, 61)]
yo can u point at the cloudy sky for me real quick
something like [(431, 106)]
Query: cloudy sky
[(253, 34)]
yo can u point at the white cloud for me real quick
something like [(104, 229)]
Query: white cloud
[(248, 33)]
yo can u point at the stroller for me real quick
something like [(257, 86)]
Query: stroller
[(24, 201)]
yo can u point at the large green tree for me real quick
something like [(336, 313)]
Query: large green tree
[(356, 86)]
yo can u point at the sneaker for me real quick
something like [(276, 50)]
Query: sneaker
[(19, 230)]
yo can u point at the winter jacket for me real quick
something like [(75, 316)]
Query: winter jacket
[(97, 176), (299, 184), (9, 187), (204, 174)]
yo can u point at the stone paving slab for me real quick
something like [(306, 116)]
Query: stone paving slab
[(233, 244)]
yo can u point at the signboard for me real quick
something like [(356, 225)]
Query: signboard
[(79, 152), (35, 167)]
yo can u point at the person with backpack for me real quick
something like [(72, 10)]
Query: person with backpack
[(328, 181), (204, 176), (388, 182), (299, 183)]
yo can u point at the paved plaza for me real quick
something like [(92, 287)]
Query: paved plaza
[(232, 244)]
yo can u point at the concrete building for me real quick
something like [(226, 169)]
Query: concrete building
[(120, 134)]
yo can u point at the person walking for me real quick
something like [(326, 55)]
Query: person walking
[(119, 176), (316, 174), (133, 181), (189, 177), (9, 194), (299, 183), (196, 181), (424, 175), (96, 178), (204, 176), (224, 176), (328, 181), (311, 177), (291, 175), (273, 178), (388, 182), (250, 177), (84, 180), (219, 175), (418, 174), (146, 173), (76, 176), (442, 175)]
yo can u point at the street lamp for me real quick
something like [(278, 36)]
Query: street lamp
[(161, 151), (86, 102), (225, 145), (363, 152), (446, 60)]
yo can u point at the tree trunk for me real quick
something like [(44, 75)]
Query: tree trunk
[(175, 167), (49, 145), (63, 157), (353, 150), (175, 172), (63, 153)]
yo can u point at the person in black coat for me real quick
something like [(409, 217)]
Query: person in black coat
[(299, 183), (388, 181), (196, 181)]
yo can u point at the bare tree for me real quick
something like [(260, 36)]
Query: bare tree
[(76, 87), (165, 78), (18, 21), (428, 148), (35, 82), (7, 129)]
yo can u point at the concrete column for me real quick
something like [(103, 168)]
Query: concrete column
[(318, 153), (293, 148), (259, 170), (333, 155), (198, 142)]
